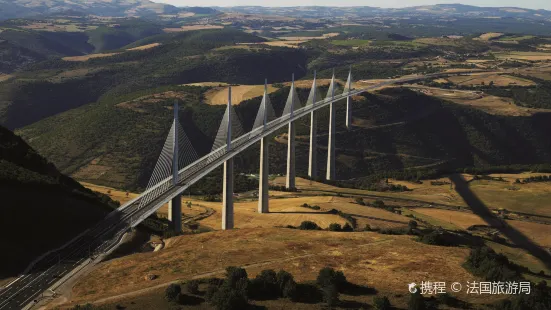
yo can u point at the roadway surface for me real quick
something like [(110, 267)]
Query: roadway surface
[(56, 267)]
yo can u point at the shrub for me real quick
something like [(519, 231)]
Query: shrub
[(360, 201), (264, 286), (235, 277), (416, 301), (367, 227), (172, 292), (381, 303), (227, 298), (309, 225), (193, 287), (347, 227), (330, 295), (412, 224), (286, 284), (378, 204), (484, 262), (328, 276), (335, 227)]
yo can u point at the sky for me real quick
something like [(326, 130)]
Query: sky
[(531, 4)]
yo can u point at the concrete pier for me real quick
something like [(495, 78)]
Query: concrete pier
[(175, 205), (227, 196), (263, 186), (348, 114), (331, 145), (175, 213), (312, 158), (290, 179), (227, 186), (330, 175)]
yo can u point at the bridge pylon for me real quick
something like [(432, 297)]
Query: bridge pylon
[(292, 104), (330, 175), (263, 186), (348, 89), (312, 155), (227, 191), (175, 205)]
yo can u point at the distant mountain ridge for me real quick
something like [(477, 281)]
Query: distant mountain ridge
[(27, 8), (450, 10)]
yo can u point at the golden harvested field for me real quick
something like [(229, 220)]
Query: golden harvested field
[(282, 212), (498, 79), (144, 47), (462, 220), (115, 194), (87, 57), (239, 93), (535, 56), (384, 262), (4, 77), (490, 35), (192, 27), (493, 105), (324, 36)]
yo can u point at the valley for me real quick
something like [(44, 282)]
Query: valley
[(439, 169)]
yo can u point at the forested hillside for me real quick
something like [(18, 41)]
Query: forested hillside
[(41, 208), (186, 58), (397, 129)]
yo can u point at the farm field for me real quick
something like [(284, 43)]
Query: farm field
[(490, 35), (485, 79), (533, 56), (192, 27), (88, 57), (219, 95)]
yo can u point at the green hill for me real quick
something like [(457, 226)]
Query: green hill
[(193, 57), (402, 130), (41, 208)]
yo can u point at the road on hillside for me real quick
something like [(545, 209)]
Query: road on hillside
[(63, 263)]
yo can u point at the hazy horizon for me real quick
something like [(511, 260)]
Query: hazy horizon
[(530, 4)]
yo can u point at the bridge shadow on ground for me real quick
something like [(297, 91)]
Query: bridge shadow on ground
[(479, 208)]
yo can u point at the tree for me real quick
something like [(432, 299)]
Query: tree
[(335, 227), (381, 303), (347, 228), (412, 224), (193, 287), (172, 292), (286, 284), (328, 276), (378, 204), (265, 285), (309, 225), (416, 301), (330, 295)]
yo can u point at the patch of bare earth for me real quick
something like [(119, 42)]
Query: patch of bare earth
[(144, 47), (87, 57)]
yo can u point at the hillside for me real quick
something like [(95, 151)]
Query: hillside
[(41, 208), (24, 8), (396, 129), (186, 58)]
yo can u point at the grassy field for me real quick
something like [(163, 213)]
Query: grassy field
[(87, 57), (489, 35), (387, 263), (497, 79), (487, 103), (219, 95), (535, 56), (144, 47), (192, 27), (354, 42)]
